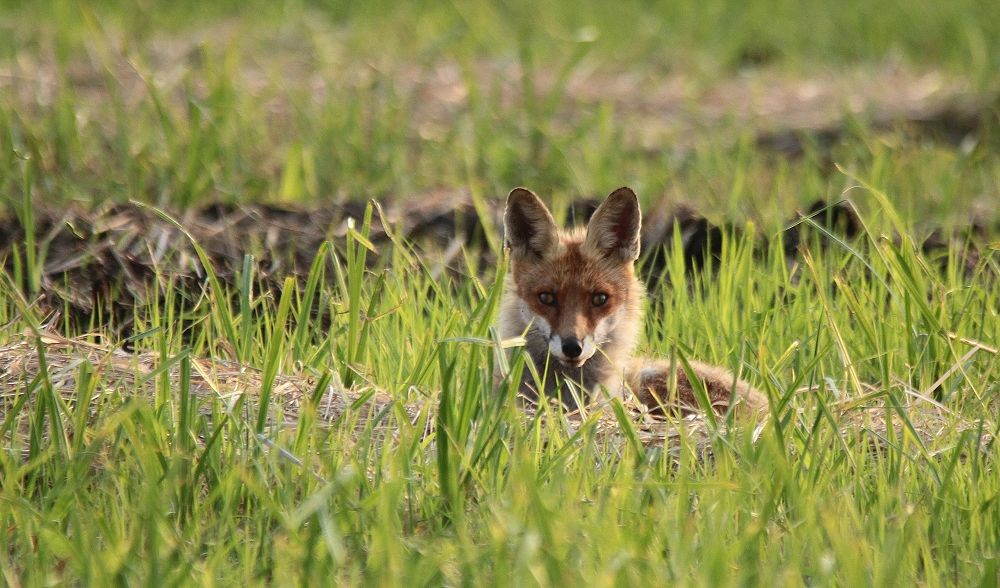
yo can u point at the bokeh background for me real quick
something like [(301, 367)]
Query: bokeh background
[(744, 109)]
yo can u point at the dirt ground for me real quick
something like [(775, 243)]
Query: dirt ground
[(107, 258)]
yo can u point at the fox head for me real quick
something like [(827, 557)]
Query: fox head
[(576, 289)]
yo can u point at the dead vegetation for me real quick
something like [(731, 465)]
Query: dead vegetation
[(367, 410)]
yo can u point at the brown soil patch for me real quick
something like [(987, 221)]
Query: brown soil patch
[(100, 264)]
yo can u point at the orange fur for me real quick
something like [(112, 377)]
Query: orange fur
[(576, 299)]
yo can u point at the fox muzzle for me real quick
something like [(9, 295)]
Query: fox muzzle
[(572, 348)]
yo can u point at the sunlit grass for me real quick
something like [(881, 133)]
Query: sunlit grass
[(170, 487), (876, 466)]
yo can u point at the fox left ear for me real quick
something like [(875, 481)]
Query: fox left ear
[(529, 230), (613, 231)]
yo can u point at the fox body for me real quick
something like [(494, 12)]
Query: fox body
[(575, 298)]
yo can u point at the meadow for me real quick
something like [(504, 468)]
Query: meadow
[(127, 460)]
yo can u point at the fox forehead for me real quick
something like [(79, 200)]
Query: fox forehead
[(572, 273)]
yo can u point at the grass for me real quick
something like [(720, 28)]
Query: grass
[(107, 105), (163, 490), (858, 344)]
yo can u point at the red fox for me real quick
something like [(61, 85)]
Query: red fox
[(575, 298)]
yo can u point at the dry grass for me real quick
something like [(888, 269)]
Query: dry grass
[(123, 375)]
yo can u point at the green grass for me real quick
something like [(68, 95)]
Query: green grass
[(710, 35), (296, 103), (161, 490), (167, 489)]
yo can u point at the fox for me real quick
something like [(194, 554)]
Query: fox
[(575, 298)]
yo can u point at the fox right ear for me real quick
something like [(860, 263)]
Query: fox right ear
[(613, 232), (528, 226)]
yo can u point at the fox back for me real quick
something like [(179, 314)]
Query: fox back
[(573, 295)]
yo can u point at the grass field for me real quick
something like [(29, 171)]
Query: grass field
[(877, 464)]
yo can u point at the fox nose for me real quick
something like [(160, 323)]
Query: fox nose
[(572, 348)]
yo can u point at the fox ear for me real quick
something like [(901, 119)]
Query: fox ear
[(528, 227), (613, 231)]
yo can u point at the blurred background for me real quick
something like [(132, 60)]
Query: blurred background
[(743, 109)]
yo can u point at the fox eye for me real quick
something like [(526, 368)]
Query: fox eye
[(599, 299), (547, 298)]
